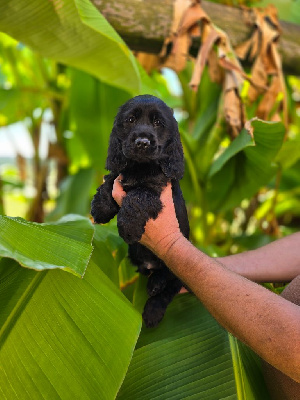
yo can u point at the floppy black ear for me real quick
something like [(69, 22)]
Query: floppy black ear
[(172, 164), (116, 160)]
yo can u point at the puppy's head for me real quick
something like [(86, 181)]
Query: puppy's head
[(145, 130)]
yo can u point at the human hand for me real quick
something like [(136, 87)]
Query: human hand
[(161, 233)]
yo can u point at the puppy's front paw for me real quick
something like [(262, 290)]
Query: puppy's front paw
[(153, 312), (129, 230)]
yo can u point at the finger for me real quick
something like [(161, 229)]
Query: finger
[(118, 193)]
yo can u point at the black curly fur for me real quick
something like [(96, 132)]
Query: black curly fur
[(145, 148)]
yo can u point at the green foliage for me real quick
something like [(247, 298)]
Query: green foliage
[(65, 244), (93, 107), (85, 330), (84, 37), (245, 165), (190, 356), (74, 197), (62, 336)]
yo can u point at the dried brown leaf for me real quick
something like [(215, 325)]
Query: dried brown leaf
[(231, 81), (185, 25), (202, 58), (276, 117), (259, 76), (216, 73), (267, 102), (248, 126), (237, 70), (249, 48), (243, 49), (269, 107), (272, 13), (177, 59), (191, 17), (148, 61), (233, 109)]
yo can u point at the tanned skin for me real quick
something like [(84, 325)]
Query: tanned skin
[(266, 322)]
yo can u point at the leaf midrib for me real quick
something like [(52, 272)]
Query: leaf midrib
[(20, 306), (236, 362)]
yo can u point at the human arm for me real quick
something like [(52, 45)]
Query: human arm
[(278, 261), (267, 323)]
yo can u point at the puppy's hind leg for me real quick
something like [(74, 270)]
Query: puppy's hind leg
[(158, 280), (156, 306)]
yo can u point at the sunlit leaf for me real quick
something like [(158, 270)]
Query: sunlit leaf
[(108, 251), (64, 245), (289, 153), (76, 35), (62, 337), (244, 167), (190, 356), (74, 197), (93, 107)]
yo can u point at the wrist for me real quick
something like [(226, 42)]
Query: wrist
[(164, 246)]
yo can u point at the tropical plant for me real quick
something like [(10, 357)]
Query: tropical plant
[(71, 303)]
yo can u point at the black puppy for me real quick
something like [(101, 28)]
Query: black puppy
[(145, 148)]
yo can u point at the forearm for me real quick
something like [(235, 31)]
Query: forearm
[(278, 261), (269, 324)]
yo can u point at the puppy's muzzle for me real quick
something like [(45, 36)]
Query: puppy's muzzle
[(142, 143), (141, 146)]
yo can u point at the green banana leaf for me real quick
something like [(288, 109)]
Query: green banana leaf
[(73, 33), (65, 245), (24, 78), (245, 165), (93, 107), (289, 153), (109, 251), (189, 356), (74, 196), (62, 337)]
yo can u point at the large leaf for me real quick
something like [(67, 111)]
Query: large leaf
[(289, 153), (22, 81), (62, 337), (245, 165), (85, 41), (74, 196), (189, 356), (109, 251), (93, 107), (65, 244)]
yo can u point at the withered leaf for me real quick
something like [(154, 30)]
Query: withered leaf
[(233, 106), (148, 61), (202, 58)]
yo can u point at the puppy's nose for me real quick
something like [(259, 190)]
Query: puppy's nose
[(142, 143)]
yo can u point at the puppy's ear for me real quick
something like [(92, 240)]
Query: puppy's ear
[(116, 160), (172, 164)]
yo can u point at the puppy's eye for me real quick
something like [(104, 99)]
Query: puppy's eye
[(131, 119), (157, 122)]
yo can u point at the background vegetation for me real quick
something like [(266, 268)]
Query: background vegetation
[(70, 302)]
